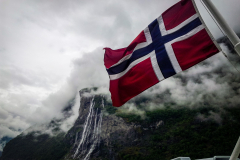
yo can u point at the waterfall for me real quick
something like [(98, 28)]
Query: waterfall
[(90, 138), (76, 139)]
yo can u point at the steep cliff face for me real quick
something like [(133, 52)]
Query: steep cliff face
[(101, 133), (95, 128), (94, 132)]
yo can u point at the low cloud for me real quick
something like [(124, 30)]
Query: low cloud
[(45, 41), (212, 83), (11, 126), (131, 108), (216, 117), (68, 123)]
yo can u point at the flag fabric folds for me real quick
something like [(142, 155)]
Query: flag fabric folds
[(173, 42)]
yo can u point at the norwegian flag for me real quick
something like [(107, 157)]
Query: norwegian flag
[(173, 42)]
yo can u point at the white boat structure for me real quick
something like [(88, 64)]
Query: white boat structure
[(212, 158)]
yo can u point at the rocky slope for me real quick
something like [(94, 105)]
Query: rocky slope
[(95, 127), (102, 133), (3, 142)]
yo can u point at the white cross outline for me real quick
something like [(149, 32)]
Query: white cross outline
[(167, 45)]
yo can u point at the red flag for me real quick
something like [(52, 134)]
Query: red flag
[(173, 42)]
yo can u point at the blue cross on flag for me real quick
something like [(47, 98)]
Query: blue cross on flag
[(173, 42)]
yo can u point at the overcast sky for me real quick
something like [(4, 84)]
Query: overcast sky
[(50, 49)]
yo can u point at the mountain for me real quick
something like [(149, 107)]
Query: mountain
[(156, 127), (102, 132), (3, 142)]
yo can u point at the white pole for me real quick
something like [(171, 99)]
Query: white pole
[(236, 151), (223, 24), (236, 43)]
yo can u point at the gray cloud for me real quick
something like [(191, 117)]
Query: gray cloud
[(211, 117), (212, 83), (49, 50)]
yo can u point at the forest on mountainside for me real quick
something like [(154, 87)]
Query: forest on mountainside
[(180, 133), (205, 128)]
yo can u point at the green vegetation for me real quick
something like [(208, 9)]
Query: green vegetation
[(41, 147), (130, 117), (182, 135), (164, 134), (98, 101), (108, 107)]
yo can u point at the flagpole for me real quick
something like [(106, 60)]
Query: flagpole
[(236, 151), (236, 43), (223, 24)]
